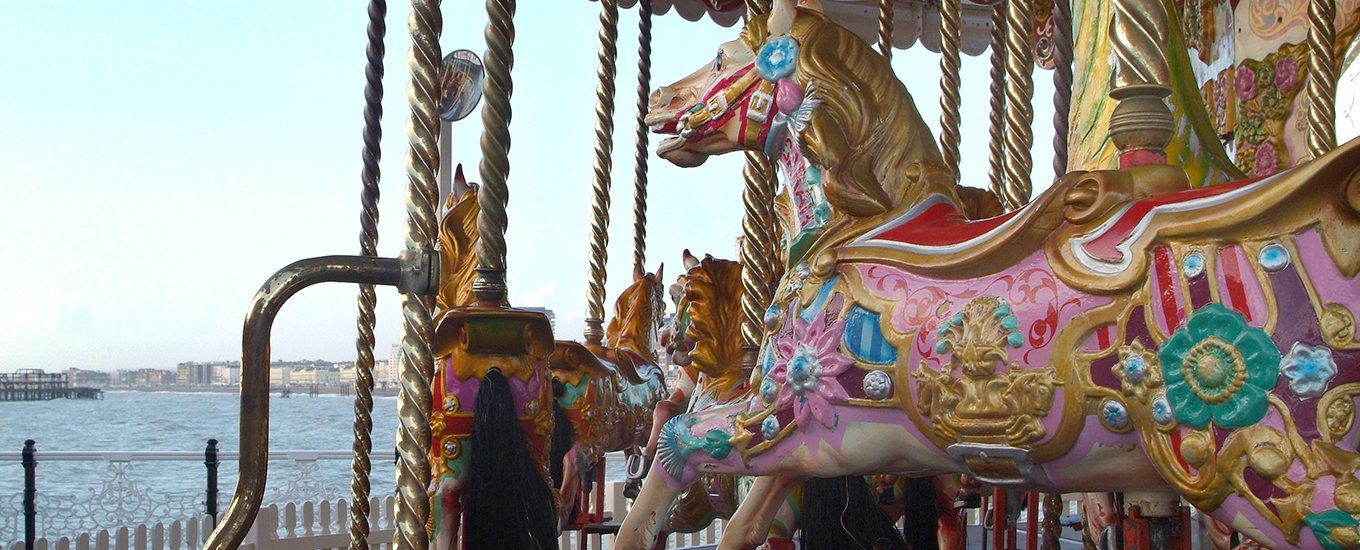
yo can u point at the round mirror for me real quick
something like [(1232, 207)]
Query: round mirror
[(461, 82)]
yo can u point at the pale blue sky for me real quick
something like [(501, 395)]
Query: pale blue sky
[(162, 159)]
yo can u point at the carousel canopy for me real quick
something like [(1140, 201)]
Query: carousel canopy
[(914, 20)]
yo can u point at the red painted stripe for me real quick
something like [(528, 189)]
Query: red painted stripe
[(1103, 247), (1176, 447), (1168, 287), (941, 225), (1232, 280), (1103, 336)]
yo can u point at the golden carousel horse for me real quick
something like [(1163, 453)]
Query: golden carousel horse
[(490, 419), (1122, 332), (608, 392)]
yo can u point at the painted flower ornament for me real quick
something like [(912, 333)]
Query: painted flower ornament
[(1218, 368), (777, 58), (1309, 369), (806, 365)]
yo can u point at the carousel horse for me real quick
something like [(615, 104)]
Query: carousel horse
[(704, 339), (492, 411), (1122, 332), (608, 392)]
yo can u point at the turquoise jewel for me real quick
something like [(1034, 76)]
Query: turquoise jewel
[(1115, 415), (770, 427), (1274, 257), (1161, 410), (1193, 265), (1135, 369)]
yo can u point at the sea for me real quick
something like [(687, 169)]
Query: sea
[(133, 421)]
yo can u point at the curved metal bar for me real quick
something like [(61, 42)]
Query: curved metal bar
[(605, 72), (259, 321), (640, 154), (361, 465)]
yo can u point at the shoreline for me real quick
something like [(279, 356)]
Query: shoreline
[(295, 390)]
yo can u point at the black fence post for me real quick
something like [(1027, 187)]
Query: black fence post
[(30, 494), (210, 460)]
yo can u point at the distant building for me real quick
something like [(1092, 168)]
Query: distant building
[(87, 378), (552, 319), (194, 374), (226, 374)]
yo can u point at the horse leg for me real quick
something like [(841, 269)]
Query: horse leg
[(750, 525), (649, 512), (949, 527), (572, 474)]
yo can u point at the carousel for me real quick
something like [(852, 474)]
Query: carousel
[(1168, 326)]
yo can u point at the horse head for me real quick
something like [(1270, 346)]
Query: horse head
[(638, 314), (794, 80), (708, 318)]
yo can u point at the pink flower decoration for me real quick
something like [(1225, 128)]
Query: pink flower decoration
[(1266, 159), (1286, 73), (1246, 84), (807, 362)]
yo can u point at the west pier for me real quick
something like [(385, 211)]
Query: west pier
[(38, 385)]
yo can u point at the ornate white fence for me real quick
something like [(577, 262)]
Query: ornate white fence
[(313, 526), (132, 491)]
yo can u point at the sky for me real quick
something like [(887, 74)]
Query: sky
[(163, 159)]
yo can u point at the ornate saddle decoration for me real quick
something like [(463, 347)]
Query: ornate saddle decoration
[(982, 403)]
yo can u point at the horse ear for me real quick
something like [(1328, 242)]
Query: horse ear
[(781, 17), (460, 184), (690, 261), (638, 273), (659, 270)]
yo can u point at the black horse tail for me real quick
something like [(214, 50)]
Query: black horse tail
[(842, 512), (919, 503), (563, 436), (509, 505)]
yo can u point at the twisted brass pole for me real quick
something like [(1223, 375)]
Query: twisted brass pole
[(489, 286), (604, 146), (1019, 110), (757, 235), (1062, 83), (996, 117), (885, 28), (360, 466), (950, 29), (640, 153), (1141, 124), (422, 194), (1321, 77)]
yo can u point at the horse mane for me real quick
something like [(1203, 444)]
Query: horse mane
[(866, 129), (713, 298), (458, 238), (636, 313)]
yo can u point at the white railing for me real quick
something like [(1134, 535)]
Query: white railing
[(317, 525), (310, 526), (124, 498)]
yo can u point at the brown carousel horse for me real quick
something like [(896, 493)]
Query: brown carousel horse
[(1122, 332), (492, 410), (704, 339), (608, 392)]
